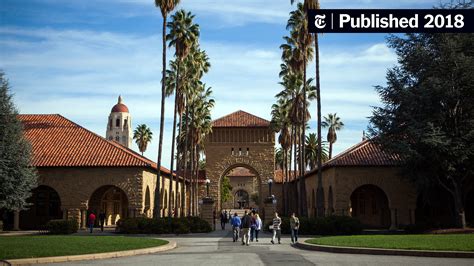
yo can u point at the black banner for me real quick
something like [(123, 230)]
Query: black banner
[(390, 20)]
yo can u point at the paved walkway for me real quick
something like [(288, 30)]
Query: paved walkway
[(217, 248)]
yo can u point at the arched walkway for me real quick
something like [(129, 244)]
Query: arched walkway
[(147, 208), (242, 187), (46, 206), (369, 204), (111, 200)]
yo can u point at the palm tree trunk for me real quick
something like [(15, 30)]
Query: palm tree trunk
[(172, 197), (296, 164), (289, 171), (319, 190), (303, 141), (330, 150), (185, 154), (283, 171), (157, 203)]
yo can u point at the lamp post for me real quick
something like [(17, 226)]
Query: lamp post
[(270, 183), (208, 181)]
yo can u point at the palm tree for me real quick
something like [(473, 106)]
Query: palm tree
[(333, 123), (312, 150), (165, 6), (142, 136), (183, 36), (314, 4)]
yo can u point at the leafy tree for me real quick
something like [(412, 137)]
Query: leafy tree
[(333, 123), (142, 136), (427, 116), (17, 176), (226, 189)]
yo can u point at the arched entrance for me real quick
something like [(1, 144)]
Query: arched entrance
[(241, 199), (111, 200), (46, 206), (147, 210), (245, 188), (369, 204)]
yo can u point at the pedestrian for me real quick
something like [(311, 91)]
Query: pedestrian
[(226, 219), (276, 228), (253, 226), (91, 221), (246, 220), (235, 222), (258, 223), (222, 220), (295, 226), (102, 220)]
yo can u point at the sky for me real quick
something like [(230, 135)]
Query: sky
[(75, 57)]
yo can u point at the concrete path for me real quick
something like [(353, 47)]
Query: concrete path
[(217, 248)]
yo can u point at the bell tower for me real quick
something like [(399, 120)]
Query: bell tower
[(119, 126)]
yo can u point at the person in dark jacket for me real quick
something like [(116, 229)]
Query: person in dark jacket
[(246, 222), (223, 218), (102, 220)]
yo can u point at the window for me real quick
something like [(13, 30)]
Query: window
[(117, 122), (247, 152), (125, 124), (111, 138), (240, 151), (232, 151), (117, 138)]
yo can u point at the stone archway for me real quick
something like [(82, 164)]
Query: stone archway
[(46, 206), (369, 204), (241, 199), (112, 200), (147, 209)]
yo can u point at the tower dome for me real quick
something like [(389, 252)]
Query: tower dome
[(119, 107), (119, 126)]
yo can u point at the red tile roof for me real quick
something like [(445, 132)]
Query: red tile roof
[(59, 142), (240, 119), (240, 172), (365, 153)]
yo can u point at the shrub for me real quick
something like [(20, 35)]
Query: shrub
[(181, 225), (62, 227), (331, 225)]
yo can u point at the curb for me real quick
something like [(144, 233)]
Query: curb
[(381, 251), (94, 256)]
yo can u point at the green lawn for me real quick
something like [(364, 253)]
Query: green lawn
[(16, 247), (458, 242)]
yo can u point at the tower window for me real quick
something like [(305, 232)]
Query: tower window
[(125, 124), (117, 122), (240, 151), (247, 152), (117, 138), (232, 151), (111, 138)]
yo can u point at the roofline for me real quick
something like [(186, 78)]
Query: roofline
[(240, 110)]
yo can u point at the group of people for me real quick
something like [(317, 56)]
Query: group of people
[(91, 221), (250, 225)]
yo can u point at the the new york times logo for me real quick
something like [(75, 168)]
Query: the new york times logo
[(391, 20)]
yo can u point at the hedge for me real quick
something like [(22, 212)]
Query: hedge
[(331, 225), (181, 225), (62, 227)]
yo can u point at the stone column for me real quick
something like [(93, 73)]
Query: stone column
[(65, 211), (83, 219), (269, 209), (207, 211), (16, 220), (393, 219)]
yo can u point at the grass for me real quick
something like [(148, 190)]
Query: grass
[(16, 247), (454, 242)]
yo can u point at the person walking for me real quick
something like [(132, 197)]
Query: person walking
[(223, 217), (235, 222), (253, 226), (246, 221), (91, 221), (102, 220), (258, 226), (276, 229), (295, 226)]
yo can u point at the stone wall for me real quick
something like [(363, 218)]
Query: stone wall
[(343, 181), (226, 148)]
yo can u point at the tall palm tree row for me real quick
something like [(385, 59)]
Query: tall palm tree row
[(333, 123), (165, 6), (183, 36), (311, 154), (142, 136)]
